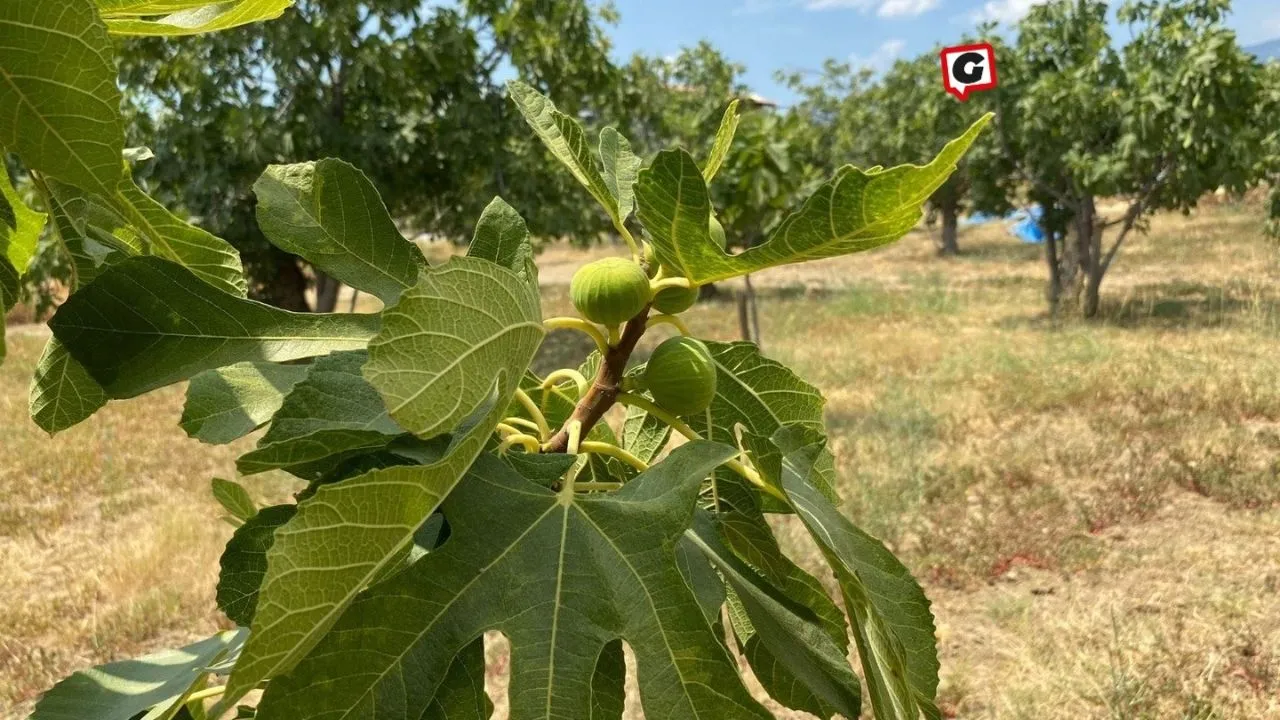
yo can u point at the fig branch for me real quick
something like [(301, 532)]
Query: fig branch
[(605, 386)]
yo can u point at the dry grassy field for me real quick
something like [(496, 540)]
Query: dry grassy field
[(1094, 508)]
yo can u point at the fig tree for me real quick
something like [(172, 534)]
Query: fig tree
[(609, 291), (681, 376)]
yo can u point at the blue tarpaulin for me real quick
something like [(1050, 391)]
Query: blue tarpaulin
[(1022, 224)]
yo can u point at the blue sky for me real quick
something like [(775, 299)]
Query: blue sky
[(768, 35)]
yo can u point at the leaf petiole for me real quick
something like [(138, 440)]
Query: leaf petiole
[(206, 693), (544, 430), (528, 442), (664, 283), (683, 428), (572, 323), (575, 436), (604, 448), (522, 422), (566, 374), (597, 486), (669, 320)]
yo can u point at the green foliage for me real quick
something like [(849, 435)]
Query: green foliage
[(20, 229), (450, 491), (1160, 121), (856, 210), (411, 91), (185, 17), (124, 690)]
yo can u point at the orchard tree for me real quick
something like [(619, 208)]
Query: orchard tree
[(898, 118), (1159, 122), (906, 113), (409, 88), (1268, 125), (762, 178), (453, 492)]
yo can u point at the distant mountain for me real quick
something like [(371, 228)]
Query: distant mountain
[(1269, 50)]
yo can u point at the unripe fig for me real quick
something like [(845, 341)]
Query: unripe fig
[(651, 264), (675, 300), (681, 376), (717, 232), (609, 291)]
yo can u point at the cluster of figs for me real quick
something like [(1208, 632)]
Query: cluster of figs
[(680, 374)]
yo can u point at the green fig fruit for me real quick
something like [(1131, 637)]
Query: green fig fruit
[(681, 376), (610, 291), (674, 300)]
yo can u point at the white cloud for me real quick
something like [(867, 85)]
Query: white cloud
[(838, 4), (909, 8), (883, 8), (755, 7), (1005, 11), (881, 58)]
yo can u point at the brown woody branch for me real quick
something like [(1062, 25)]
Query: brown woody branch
[(606, 385)]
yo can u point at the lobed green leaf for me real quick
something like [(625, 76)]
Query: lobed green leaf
[(185, 17), (211, 258), (146, 322), (344, 537), (890, 614), (62, 392), (567, 141), (20, 227), (125, 689), (791, 634), (329, 213), (444, 341), (562, 576), (854, 211), (723, 141), (228, 403), (332, 415), (244, 562), (502, 237), (58, 89), (621, 166)]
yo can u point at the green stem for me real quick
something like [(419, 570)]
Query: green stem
[(566, 374), (603, 448), (680, 282), (572, 323), (590, 486), (681, 427), (529, 442), (544, 430), (207, 693), (669, 320), (531, 425), (631, 241)]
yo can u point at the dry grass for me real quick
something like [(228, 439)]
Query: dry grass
[(1093, 507)]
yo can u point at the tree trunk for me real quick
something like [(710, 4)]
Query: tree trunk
[(749, 313), (950, 224), (744, 316), (1089, 238), (287, 288), (1053, 293), (326, 293)]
